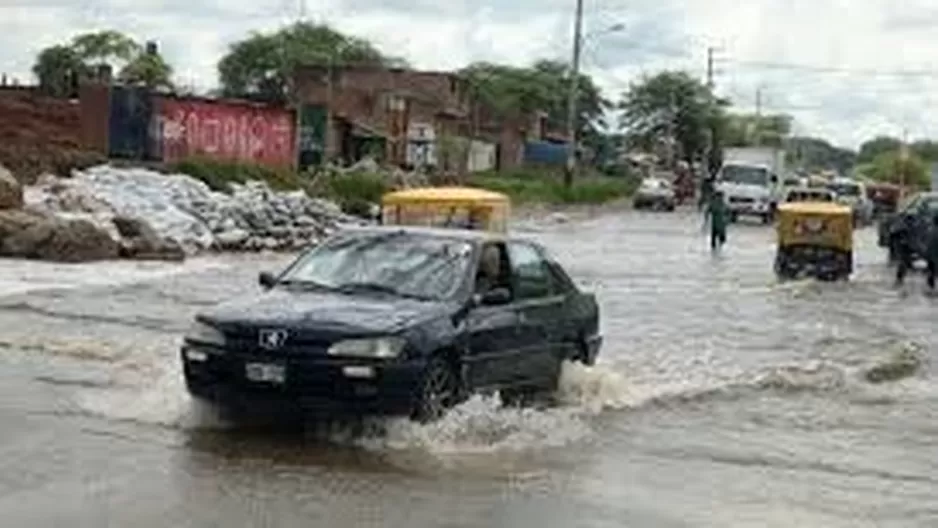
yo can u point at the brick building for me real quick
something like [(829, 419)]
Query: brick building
[(388, 108)]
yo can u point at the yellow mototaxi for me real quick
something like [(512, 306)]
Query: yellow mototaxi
[(453, 207), (814, 239)]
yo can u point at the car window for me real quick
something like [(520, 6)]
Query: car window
[(929, 206), (399, 262), (743, 174), (493, 269), (531, 275)]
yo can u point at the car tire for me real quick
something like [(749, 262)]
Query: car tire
[(435, 393)]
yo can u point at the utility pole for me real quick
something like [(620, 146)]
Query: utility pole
[(758, 124), (903, 161), (571, 102), (710, 67)]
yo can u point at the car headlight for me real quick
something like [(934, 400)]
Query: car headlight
[(203, 333), (380, 348)]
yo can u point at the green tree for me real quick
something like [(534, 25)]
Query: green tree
[(261, 65), (818, 154), (59, 68), (105, 47), (747, 130), (871, 149), (926, 149), (544, 86), (675, 104), (148, 69), (890, 167)]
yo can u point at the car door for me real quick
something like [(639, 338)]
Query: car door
[(539, 306), (494, 338)]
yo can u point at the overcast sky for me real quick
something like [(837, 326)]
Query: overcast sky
[(843, 72)]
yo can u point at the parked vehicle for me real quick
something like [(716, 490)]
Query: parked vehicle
[(814, 239), (918, 211), (655, 193), (853, 194), (455, 207), (393, 320)]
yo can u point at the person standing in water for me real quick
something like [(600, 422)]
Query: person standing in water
[(931, 254), (717, 215)]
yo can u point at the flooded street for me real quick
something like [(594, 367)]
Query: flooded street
[(721, 398)]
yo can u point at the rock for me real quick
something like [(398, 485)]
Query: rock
[(140, 241), (232, 239), (182, 211), (11, 193), (14, 221), (60, 240)]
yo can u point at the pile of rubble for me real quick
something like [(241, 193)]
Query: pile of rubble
[(169, 216)]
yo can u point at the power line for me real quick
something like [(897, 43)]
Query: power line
[(834, 69)]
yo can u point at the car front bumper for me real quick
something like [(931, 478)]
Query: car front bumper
[(310, 384), (753, 207)]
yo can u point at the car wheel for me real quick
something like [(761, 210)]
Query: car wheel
[(436, 392), (734, 217)]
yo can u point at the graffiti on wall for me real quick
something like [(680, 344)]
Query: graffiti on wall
[(224, 131)]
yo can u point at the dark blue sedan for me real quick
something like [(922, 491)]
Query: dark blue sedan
[(390, 320)]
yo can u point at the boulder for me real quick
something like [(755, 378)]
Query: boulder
[(58, 240), (15, 221), (11, 193), (140, 241)]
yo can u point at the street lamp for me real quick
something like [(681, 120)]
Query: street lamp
[(574, 87)]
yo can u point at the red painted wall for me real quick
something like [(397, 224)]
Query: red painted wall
[(223, 130)]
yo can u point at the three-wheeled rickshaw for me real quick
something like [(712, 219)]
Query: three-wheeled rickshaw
[(454, 207), (815, 239)]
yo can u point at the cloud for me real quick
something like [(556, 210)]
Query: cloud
[(856, 48)]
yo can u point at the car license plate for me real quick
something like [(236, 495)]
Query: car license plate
[(265, 373)]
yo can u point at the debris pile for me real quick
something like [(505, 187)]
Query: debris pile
[(151, 213)]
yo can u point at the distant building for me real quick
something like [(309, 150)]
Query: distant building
[(405, 116)]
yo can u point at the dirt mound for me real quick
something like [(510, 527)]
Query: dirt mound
[(41, 134)]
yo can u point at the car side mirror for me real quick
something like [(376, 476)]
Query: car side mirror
[(494, 297), (267, 279)]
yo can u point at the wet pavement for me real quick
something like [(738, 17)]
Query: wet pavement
[(721, 399)]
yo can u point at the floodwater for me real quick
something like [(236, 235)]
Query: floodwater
[(721, 399)]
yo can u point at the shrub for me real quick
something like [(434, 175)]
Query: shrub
[(546, 186), (218, 175)]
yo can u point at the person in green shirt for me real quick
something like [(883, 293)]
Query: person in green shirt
[(717, 216)]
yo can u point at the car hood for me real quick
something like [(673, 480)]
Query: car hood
[(328, 312)]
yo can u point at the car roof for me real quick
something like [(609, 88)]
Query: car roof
[(469, 235), (814, 207), (444, 194)]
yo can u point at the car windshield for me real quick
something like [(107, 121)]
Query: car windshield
[(745, 175), (397, 263), (653, 184), (845, 189)]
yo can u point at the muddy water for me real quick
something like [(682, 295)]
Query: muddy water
[(721, 399)]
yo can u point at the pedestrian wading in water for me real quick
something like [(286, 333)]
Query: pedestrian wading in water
[(901, 246), (717, 216), (931, 253)]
